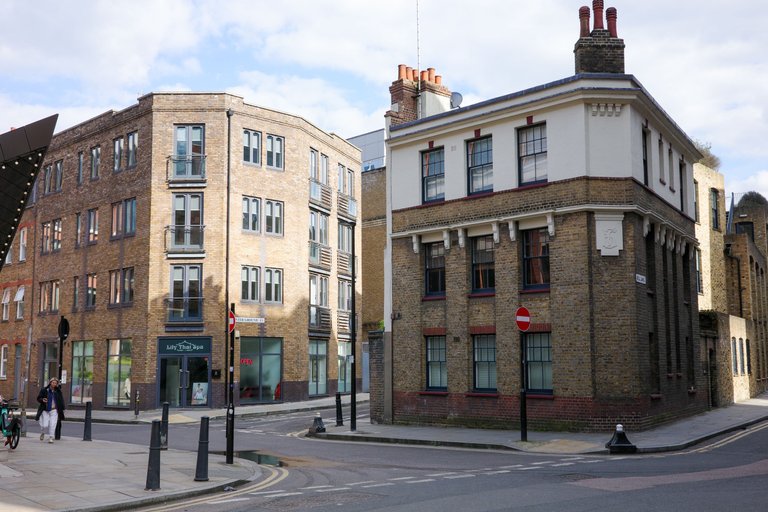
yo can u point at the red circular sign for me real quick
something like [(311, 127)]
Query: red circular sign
[(523, 318), (231, 321)]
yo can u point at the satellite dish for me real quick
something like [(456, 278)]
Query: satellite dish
[(456, 99)]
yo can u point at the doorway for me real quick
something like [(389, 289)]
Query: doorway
[(184, 380)]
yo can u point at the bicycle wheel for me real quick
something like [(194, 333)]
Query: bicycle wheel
[(15, 435)]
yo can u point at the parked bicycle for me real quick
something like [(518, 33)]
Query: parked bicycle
[(10, 423)]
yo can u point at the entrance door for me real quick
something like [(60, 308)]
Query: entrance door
[(184, 381)]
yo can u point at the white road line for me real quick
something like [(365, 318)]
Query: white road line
[(500, 471), (266, 492), (459, 476), (333, 489), (591, 461), (283, 495), (315, 487), (420, 481), (543, 462), (363, 482), (442, 474), (513, 466), (526, 469), (231, 500), (377, 485), (401, 478), (563, 464)]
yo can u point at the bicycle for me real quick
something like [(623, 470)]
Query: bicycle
[(11, 428)]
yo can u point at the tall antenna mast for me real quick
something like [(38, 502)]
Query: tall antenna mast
[(418, 66)]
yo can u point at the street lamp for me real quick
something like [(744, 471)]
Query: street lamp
[(353, 334)]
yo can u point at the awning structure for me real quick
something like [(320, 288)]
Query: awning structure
[(21, 156)]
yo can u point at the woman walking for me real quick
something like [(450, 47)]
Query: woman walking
[(51, 408)]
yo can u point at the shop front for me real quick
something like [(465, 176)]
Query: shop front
[(184, 371), (261, 362)]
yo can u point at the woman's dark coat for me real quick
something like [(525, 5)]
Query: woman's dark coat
[(60, 406)]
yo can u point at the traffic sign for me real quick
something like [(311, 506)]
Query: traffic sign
[(231, 321), (523, 318), (251, 320)]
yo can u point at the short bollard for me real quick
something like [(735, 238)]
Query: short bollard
[(339, 418), (153, 469), (136, 405), (164, 428), (87, 427), (201, 471), (619, 443), (317, 425)]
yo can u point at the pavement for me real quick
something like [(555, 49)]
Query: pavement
[(98, 475)]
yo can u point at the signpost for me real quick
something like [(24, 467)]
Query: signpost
[(232, 321), (231, 391), (523, 321), (63, 335)]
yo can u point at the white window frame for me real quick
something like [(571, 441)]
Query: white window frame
[(250, 276), (132, 151), (250, 215), (275, 151), (117, 154), (4, 362), (254, 150), (6, 304), (19, 300), (273, 285), (273, 211), (23, 244)]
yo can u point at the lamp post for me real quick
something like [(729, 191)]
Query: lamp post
[(229, 352)]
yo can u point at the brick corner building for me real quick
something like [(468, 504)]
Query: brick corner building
[(573, 198)]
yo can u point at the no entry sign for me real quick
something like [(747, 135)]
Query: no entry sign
[(523, 318), (231, 321)]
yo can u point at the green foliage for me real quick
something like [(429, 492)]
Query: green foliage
[(709, 159)]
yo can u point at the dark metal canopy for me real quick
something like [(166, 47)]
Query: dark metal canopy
[(21, 156)]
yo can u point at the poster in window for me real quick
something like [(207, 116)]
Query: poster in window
[(200, 393)]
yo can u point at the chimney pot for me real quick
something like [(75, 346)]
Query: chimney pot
[(597, 6), (414, 74), (584, 20), (431, 74), (400, 71), (424, 75), (408, 72), (611, 16), (438, 79)]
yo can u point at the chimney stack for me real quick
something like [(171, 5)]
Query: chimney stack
[(599, 51), (417, 94)]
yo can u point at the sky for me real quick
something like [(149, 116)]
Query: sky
[(332, 61)]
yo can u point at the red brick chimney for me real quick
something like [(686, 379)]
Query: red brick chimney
[(599, 51), (416, 94)]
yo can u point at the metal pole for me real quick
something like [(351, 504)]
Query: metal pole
[(164, 427), (523, 387), (230, 113), (87, 427), (353, 333), (201, 470), (231, 395), (339, 417)]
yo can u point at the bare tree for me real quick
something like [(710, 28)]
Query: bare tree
[(709, 159)]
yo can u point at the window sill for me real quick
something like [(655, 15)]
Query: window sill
[(278, 169), (433, 393), (432, 298), (480, 394), (484, 193), (535, 184), (252, 164), (474, 295), (540, 396), (534, 290)]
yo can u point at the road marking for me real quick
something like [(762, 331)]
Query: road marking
[(459, 476), (378, 485), (543, 462), (420, 481), (591, 461), (498, 472), (333, 489), (266, 492), (530, 467), (363, 482), (315, 487), (401, 478), (218, 502), (442, 474), (563, 464), (283, 495), (513, 466)]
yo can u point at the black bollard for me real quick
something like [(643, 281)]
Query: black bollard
[(153, 469), (339, 418), (201, 471), (619, 443), (164, 428), (87, 427), (317, 425)]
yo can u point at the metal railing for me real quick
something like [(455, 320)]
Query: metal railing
[(347, 206), (320, 318), (185, 168), (184, 309), (320, 194), (184, 238), (320, 255)]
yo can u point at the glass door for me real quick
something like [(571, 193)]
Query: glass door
[(196, 373), (171, 380)]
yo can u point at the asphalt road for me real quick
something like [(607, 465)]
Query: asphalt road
[(313, 475)]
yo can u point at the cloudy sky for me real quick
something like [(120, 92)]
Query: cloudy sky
[(332, 61)]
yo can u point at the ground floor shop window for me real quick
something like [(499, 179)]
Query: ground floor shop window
[(82, 372), (345, 367), (318, 367), (119, 373), (260, 369), (539, 357)]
